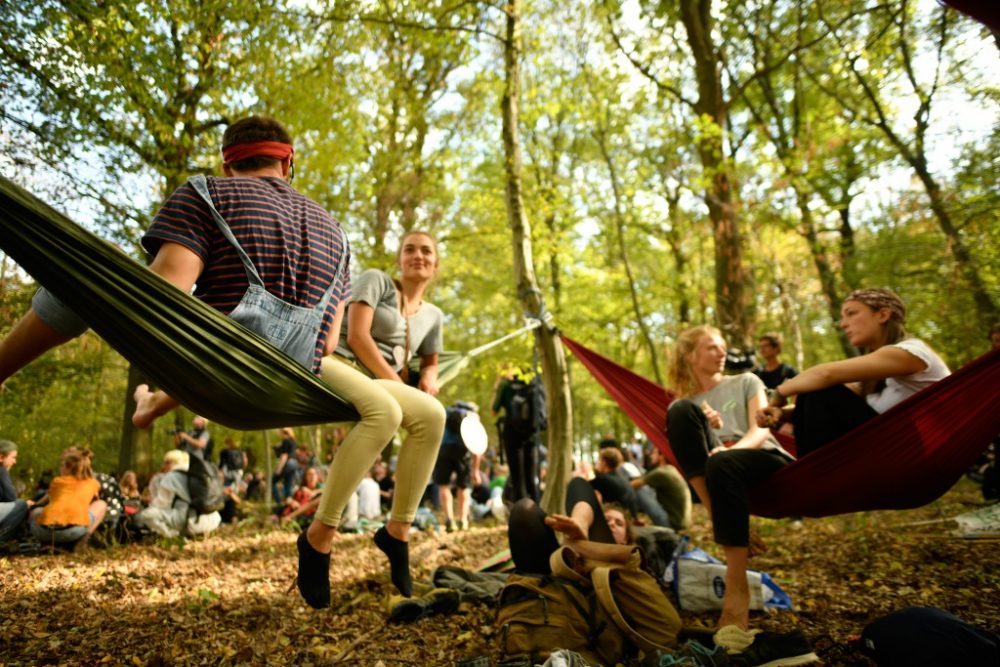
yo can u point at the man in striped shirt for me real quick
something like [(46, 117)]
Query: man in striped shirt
[(293, 242)]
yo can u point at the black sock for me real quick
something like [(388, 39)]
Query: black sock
[(398, 552)]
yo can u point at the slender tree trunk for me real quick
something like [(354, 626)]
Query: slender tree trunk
[(733, 285), (555, 373), (136, 452), (623, 253), (827, 276)]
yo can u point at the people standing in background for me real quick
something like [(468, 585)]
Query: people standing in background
[(286, 470), (197, 441), (232, 463), (773, 371), (514, 395), (454, 459)]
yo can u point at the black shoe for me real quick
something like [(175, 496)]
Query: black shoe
[(398, 553), (772, 649), (314, 574)]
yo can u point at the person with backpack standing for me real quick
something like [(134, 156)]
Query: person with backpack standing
[(523, 404), (454, 458), (197, 441)]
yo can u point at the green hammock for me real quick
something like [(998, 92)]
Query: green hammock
[(208, 362)]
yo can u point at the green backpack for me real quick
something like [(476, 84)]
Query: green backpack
[(538, 614), (598, 602)]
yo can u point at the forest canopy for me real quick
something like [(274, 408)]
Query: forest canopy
[(742, 164)]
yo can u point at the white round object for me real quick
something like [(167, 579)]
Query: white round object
[(474, 434)]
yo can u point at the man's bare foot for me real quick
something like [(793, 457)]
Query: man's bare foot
[(149, 405)]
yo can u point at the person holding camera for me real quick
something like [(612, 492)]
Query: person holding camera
[(197, 441)]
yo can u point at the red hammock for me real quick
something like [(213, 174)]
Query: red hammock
[(904, 458)]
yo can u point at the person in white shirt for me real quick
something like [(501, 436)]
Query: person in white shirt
[(835, 397)]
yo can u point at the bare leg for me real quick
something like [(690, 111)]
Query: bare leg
[(444, 494), (321, 536), (29, 339), (736, 601), (464, 496), (398, 529), (150, 404), (702, 488), (98, 508)]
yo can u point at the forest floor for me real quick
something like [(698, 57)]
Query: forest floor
[(224, 600)]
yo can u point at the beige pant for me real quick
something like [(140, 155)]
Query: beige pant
[(384, 406)]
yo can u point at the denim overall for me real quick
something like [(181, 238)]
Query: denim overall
[(292, 329)]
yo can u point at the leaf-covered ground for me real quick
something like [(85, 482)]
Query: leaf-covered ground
[(223, 601)]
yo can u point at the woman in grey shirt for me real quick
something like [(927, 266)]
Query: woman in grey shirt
[(387, 322), (722, 450)]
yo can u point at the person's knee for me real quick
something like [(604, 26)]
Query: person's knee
[(523, 511), (681, 410), (723, 467)]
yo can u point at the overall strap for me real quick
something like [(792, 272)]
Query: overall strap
[(200, 184)]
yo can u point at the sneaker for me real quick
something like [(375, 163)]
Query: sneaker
[(773, 649), (694, 654), (451, 526), (463, 524)]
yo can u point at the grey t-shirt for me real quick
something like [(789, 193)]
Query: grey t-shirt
[(730, 399), (377, 290)]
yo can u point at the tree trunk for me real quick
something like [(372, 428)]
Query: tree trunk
[(136, 452), (827, 276), (554, 370), (733, 285), (623, 253)]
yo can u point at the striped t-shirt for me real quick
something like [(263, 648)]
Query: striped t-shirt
[(292, 241)]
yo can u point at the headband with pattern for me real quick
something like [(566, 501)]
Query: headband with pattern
[(878, 298)]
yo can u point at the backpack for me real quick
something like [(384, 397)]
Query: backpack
[(540, 613), (603, 605), (529, 413), (919, 636), (204, 486)]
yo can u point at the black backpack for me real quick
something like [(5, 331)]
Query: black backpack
[(204, 486), (529, 413)]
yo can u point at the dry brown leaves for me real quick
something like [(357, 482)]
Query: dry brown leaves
[(223, 601)]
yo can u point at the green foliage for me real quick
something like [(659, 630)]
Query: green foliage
[(395, 111)]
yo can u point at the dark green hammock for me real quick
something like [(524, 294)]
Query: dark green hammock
[(208, 362)]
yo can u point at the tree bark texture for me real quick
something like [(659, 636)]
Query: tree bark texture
[(553, 357), (733, 285)]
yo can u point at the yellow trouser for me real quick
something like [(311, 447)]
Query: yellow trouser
[(384, 406)]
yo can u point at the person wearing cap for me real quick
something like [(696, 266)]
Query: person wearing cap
[(835, 397)]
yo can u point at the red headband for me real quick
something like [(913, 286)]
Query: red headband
[(273, 149)]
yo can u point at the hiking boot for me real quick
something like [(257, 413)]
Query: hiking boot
[(773, 649)]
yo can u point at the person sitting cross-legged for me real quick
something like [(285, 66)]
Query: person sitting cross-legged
[(71, 510)]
